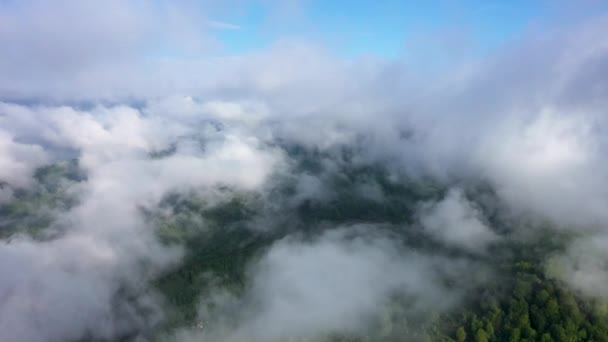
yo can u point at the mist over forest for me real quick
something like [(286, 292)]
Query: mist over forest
[(294, 194)]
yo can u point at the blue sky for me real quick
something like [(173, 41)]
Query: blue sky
[(382, 28)]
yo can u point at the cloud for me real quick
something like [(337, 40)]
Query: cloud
[(583, 266), (70, 286), (457, 222), (336, 282), (18, 161), (64, 289), (222, 25), (68, 49)]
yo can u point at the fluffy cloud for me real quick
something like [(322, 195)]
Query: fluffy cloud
[(583, 266), (334, 283), (69, 286), (458, 222), (18, 161)]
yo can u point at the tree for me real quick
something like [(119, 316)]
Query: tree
[(553, 309), (543, 296), (515, 335), (481, 336), (490, 329), (539, 320), (523, 289), (476, 323), (558, 332), (461, 334)]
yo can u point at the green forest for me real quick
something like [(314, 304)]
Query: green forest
[(520, 302)]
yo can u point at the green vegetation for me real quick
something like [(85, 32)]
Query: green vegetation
[(533, 308), (220, 252), (222, 237), (32, 211)]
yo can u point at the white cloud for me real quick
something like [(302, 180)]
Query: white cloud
[(222, 25), (19, 160), (456, 221), (336, 282), (67, 287)]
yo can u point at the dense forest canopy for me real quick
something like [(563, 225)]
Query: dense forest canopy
[(453, 263)]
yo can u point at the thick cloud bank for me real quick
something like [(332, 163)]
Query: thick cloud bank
[(103, 240)]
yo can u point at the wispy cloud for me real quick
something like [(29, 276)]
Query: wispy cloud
[(220, 25)]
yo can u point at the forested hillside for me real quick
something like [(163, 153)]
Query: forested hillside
[(510, 291)]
